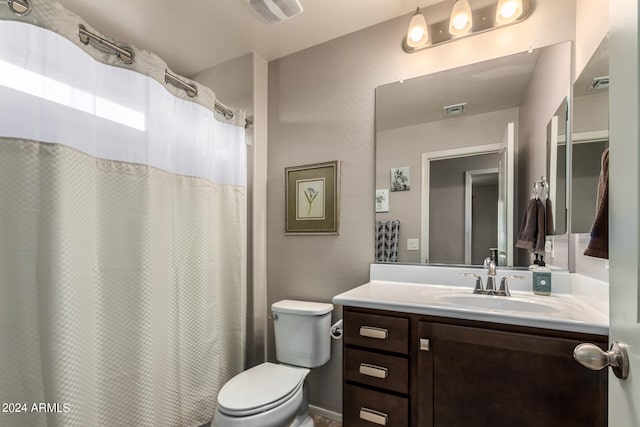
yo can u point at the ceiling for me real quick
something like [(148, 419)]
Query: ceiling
[(198, 34)]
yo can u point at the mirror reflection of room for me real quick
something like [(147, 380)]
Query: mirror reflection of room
[(557, 168), (590, 137), (589, 175), (439, 126)]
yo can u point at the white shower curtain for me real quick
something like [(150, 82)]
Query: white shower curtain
[(122, 236)]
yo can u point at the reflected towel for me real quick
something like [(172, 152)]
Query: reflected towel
[(531, 235), (387, 235), (549, 226), (599, 242)]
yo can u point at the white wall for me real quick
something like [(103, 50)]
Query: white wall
[(624, 178), (321, 107), (259, 210), (242, 83)]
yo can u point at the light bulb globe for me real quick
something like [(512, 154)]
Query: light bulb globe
[(461, 18), (508, 11), (417, 33)]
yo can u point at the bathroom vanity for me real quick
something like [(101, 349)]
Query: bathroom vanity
[(413, 358)]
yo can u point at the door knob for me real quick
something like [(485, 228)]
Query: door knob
[(592, 357)]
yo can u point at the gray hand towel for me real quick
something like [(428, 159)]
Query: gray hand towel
[(532, 230), (598, 245)]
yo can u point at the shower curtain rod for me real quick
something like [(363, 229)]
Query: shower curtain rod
[(127, 56)]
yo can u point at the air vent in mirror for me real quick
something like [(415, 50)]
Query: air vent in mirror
[(600, 82), (455, 109)]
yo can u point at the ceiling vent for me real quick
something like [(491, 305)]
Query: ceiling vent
[(600, 82), (455, 109), (274, 11)]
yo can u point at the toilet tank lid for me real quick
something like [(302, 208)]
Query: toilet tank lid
[(301, 307)]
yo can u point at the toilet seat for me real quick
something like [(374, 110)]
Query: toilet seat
[(260, 388)]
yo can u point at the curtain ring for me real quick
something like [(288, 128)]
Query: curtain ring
[(20, 7), (123, 53)]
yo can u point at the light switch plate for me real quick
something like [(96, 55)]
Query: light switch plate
[(413, 244)]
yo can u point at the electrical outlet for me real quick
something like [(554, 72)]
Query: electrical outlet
[(413, 244)]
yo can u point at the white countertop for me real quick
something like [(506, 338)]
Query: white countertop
[(579, 309)]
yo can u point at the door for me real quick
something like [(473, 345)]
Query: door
[(624, 395), (505, 197)]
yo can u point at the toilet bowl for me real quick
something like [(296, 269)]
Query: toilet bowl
[(267, 395), (274, 394)]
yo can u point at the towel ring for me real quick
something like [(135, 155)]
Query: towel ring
[(541, 189)]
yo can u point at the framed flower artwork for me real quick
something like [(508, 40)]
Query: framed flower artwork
[(312, 199), (400, 180), (382, 200)]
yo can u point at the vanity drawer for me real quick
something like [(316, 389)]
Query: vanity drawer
[(378, 370), (368, 408), (375, 331)]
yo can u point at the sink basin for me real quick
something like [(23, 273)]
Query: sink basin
[(559, 311), (498, 303)]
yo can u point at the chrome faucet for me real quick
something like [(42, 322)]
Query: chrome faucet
[(490, 265)]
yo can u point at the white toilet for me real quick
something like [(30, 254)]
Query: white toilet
[(274, 395)]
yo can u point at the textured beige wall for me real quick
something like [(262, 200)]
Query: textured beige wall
[(592, 25), (321, 107), (232, 82)]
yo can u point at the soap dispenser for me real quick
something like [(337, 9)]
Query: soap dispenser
[(542, 278)]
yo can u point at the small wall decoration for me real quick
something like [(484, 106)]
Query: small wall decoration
[(312, 198), (400, 180), (382, 200)]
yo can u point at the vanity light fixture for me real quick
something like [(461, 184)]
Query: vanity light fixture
[(463, 21), (418, 33), (508, 11)]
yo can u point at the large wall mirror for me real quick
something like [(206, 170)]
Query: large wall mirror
[(458, 153), (590, 137)]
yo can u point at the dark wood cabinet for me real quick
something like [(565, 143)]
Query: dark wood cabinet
[(428, 371)]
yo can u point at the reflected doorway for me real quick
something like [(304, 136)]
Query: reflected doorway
[(481, 214)]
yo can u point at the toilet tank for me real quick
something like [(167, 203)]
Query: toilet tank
[(302, 332)]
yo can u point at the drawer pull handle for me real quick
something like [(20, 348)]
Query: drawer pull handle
[(374, 416), (373, 371), (425, 345), (373, 332)]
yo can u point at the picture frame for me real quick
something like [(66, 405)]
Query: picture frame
[(382, 200), (312, 199), (400, 179)]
